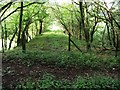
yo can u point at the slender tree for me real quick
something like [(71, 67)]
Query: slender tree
[(83, 26), (20, 26)]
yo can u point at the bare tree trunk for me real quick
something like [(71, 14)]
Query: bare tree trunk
[(28, 36), (12, 38), (83, 25), (5, 40), (32, 32), (93, 29), (69, 41), (20, 26), (36, 26), (109, 36), (28, 22), (113, 32), (103, 38), (41, 25), (72, 23), (80, 35), (117, 46), (23, 42)]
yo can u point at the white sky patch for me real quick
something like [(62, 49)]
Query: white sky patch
[(69, 1), (8, 41), (60, 2), (55, 26)]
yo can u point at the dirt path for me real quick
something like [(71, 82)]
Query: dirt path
[(16, 71)]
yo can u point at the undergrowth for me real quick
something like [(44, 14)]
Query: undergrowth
[(49, 81), (51, 48)]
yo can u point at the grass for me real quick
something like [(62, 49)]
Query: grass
[(51, 48)]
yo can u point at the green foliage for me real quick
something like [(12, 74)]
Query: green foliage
[(98, 82), (49, 81), (28, 85), (34, 12), (51, 48)]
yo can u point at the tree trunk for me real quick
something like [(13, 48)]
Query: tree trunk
[(113, 32), (12, 38), (5, 41), (20, 25), (2, 36), (36, 26), (41, 23), (103, 35), (23, 42), (109, 36), (80, 35), (28, 36), (28, 22), (93, 29), (117, 46), (69, 41), (112, 27), (83, 25), (32, 32)]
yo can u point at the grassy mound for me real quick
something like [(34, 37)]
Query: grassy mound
[(51, 48)]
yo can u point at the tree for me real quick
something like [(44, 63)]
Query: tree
[(20, 25), (41, 16)]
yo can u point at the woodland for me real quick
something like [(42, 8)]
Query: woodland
[(48, 44)]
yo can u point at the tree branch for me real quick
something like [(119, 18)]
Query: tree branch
[(2, 8), (6, 9), (19, 8)]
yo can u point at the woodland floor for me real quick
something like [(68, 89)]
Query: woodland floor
[(19, 72)]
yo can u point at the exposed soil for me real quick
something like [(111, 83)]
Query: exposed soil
[(19, 72)]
